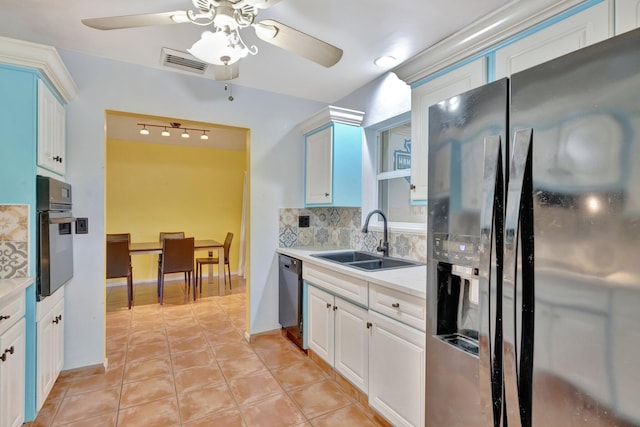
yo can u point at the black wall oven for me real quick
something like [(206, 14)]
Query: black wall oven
[(55, 235)]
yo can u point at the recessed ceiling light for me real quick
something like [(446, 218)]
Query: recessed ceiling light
[(385, 61)]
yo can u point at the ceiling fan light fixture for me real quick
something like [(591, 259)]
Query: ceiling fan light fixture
[(223, 47), (385, 61)]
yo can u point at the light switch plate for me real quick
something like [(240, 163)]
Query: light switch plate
[(82, 225)]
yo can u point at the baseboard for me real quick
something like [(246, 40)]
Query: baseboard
[(123, 282)]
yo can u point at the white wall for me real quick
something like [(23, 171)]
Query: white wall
[(275, 169)]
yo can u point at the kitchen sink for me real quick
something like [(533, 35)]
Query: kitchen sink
[(366, 260)]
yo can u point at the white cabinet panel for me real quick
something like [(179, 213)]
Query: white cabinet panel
[(12, 375), (319, 168), (396, 371), (627, 15), (51, 131), (460, 80), (50, 344), (352, 343), (580, 30), (320, 323)]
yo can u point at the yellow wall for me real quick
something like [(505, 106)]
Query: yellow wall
[(159, 187)]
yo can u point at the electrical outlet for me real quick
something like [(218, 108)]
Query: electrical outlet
[(303, 221), (82, 225)]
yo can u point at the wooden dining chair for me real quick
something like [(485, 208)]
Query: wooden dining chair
[(214, 260), (119, 261), (177, 257), (169, 235)]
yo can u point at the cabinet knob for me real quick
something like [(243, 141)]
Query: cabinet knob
[(3, 357), (326, 194), (328, 305), (395, 305), (335, 307), (56, 320), (369, 325), (412, 187), (8, 316)]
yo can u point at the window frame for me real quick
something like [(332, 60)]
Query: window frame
[(373, 136)]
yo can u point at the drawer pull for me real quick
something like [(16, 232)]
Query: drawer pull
[(395, 305), (369, 325), (335, 307), (8, 316), (56, 320), (9, 350), (328, 305), (3, 357)]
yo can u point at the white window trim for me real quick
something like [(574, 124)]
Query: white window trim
[(376, 224)]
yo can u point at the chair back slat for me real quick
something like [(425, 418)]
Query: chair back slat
[(227, 246), (119, 237), (118, 259), (171, 235), (177, 255)]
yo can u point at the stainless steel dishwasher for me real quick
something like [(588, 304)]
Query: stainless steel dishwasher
[(290, 290)]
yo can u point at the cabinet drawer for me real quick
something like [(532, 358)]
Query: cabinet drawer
[(11, 310), (345, 286), (403, 307)]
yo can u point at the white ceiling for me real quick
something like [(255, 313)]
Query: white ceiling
[(364, 29)]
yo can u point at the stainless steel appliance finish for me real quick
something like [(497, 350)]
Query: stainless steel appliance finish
[(547, 219), (290, 298), (55, 236)]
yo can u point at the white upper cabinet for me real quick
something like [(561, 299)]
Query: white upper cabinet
[(627, 15), (462, 79), (319, 169), (577, 31), (51, 131)]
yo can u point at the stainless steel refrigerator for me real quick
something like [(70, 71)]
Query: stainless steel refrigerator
[(533, 284)]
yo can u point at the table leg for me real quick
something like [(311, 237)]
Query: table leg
[(222, 288), (210, 269)]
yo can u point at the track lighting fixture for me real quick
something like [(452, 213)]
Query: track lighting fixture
[(173, 125)]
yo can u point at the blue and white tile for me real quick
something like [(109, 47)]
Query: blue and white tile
[(14, 260), (322, 236), (288, 237)]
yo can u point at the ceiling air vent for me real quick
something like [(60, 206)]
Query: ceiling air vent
[(182, 61)]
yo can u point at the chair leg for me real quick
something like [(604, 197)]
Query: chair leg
[(229, 269), (130, 290), (161, 289)]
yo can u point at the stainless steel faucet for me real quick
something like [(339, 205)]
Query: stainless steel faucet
[(384, 244)]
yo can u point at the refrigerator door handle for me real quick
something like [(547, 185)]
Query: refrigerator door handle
[(491, 231), (518, 295)]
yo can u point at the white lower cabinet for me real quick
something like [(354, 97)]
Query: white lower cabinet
[(396, 371), (12, 375), (50, 344), (338, 334)]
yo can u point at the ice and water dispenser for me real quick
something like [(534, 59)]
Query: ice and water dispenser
[(457, 306)]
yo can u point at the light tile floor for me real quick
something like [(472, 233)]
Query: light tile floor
[(187, 364)]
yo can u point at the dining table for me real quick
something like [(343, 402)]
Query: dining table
[(141, 248)]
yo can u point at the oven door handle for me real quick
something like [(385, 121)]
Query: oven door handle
[(65, 220)]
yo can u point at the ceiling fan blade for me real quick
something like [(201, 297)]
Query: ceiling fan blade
[(131, 21), (296, 41), (226, 72)]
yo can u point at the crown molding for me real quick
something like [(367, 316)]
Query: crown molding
[(488, 31), (42, 58), (332, 114)]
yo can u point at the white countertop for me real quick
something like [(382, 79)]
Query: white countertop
[(411, 280), (10, 286)]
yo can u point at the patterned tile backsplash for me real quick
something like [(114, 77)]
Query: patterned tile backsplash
[(342, 227), (14, 241)]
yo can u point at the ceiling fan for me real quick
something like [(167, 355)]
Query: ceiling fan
[(222, 45)]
